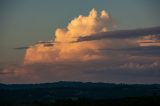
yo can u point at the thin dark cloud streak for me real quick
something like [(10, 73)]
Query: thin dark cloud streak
[(122, 34), (138, 51)]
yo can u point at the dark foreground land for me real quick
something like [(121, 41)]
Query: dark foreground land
[(79, 94)]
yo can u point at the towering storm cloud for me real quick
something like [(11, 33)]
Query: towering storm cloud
[(64, 48), (83, 38)]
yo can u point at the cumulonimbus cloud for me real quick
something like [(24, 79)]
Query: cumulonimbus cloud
[(64, 50), (90, 28)]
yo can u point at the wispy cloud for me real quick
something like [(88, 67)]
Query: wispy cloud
[(121, 34), (134, 51)]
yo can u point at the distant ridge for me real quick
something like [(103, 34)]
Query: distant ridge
[(74, 84)]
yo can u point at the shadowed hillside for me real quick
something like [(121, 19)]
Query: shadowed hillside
[(79, 94)]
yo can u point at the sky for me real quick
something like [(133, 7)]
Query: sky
[(94, 56)]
